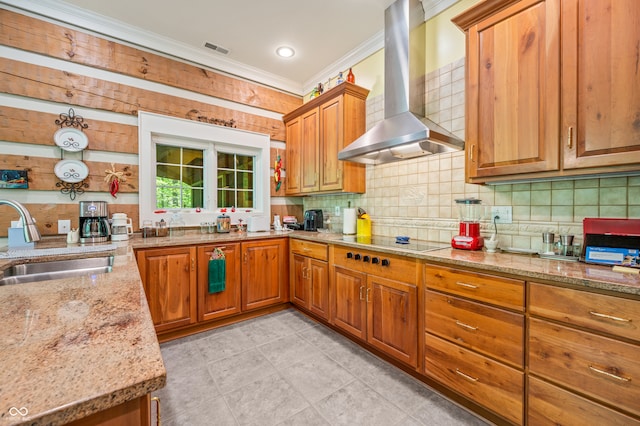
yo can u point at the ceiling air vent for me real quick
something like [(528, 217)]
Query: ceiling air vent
[(216, 48)]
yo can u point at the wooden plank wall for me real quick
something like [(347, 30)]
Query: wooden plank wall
[(61, 87)]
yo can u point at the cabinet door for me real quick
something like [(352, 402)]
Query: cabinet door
[(392, 323), (319, 291), (309, 165), (299, 281), (169, 279), (332, 142), (600, 83), (265, 279), (513, 91), (349, 308), (227, 302), (293, 177)]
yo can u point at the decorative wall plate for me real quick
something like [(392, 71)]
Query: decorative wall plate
[(70, 139), (71, 171)]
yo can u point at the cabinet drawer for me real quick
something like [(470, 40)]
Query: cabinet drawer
[(596, 311), (309, 249), (397, 268), (486, 329), (484, 288), (489, 383), (550, 405), (598, 366)]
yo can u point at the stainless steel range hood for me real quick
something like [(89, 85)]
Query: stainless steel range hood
[(405, 132)]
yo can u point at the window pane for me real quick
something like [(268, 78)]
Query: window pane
[(245, 180), (197, 198), (226, 198), (226, 179), (171, 174), (192, 157), (225, 161), (192, 176), (244, 162), (245, 199), (167, 154), (168, 197)]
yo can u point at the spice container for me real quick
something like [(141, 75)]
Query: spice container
[(161, 228)]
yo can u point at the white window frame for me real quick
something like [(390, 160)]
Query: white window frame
[(165, 130)]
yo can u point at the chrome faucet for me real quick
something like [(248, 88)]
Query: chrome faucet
[(30, 229)]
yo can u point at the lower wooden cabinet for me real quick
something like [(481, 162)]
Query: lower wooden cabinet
[(377, 309), (136, 412), (492, 384), (265, 278), (227, 302), (551, 405), (310, 285), (169, 280), (176, 282)]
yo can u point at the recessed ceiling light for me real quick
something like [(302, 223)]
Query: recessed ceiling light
[(285, 52)]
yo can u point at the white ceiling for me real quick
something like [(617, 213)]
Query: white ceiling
[(326, 34)]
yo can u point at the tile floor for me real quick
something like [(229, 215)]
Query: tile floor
[(286, 369)]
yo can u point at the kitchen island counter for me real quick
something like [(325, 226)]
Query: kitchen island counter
[(76, 346)]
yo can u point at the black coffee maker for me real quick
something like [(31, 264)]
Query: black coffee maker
[(94, 222), (313, 220)]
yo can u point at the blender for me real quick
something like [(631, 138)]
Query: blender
[(470, 211)]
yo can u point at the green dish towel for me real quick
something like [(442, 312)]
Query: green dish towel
[(217, 275)]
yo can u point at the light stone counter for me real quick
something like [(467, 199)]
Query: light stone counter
[(72, 347), (596, 277)]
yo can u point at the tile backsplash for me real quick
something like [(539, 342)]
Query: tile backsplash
[(417, 197)]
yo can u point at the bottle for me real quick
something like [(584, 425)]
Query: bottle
[(340, 79), (350, 77)]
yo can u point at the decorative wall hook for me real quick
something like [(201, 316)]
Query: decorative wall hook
[(71, 120), (72, 188)]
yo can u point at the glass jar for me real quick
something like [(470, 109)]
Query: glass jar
[(223, 223), (176, 226)]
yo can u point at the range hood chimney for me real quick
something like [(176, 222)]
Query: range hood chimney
[(405, 132)]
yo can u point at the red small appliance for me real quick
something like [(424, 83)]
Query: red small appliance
[(470, 212)]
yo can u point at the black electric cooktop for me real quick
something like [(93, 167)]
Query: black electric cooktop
[(391, 242)]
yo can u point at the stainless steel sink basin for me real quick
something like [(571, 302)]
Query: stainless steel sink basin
[(42, 271)]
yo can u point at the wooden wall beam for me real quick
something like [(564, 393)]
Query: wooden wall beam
[(31, 34), (34, 127), (42, 178), (34, 81)]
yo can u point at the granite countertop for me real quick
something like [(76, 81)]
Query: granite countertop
[(528, 267), (75, 346), (72, 347)]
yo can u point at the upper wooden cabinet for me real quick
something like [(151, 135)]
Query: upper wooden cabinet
[(601, 83), (316, 132), (552, 88)]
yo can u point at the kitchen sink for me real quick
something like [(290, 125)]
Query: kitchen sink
[(42, 271)]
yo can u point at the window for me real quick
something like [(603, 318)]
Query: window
[(179, 177), (195, 168)]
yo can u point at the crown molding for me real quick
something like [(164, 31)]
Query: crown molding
[(59, 12), (359, 53), (434, 7)]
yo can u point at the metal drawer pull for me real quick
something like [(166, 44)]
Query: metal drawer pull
[(157, 401), (460, 283), (611, 317), (569, 136), (306, 249), (606, 373), (361, 295), (467, 326), (466, 376), (368, 291)]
